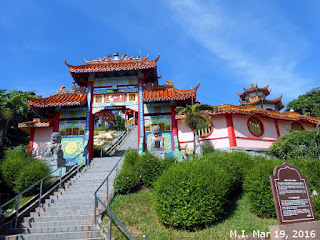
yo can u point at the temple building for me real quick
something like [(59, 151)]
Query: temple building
[(256, 96), (113, 83), (252, 126), (131, 85)]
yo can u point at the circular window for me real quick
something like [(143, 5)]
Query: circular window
[(204, 129), (255, 126), (297, 126)]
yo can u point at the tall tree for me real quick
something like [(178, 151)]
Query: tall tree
[(13, 109), (308, 103), (195, 118)]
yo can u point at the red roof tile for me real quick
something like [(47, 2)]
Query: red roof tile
[(251, 110), (167, 92), (58, 100), (252, 89), (109, 65)]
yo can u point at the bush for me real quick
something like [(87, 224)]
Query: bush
[(191, 194), (30, 174), (19, 170), (126, 180), (297, 145), (150, 168), (15, 160), (257, 185), (316, 205), (128, 176)]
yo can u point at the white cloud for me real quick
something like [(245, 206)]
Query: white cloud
[(257, 42)]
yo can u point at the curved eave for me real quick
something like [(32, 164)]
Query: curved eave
[(292, 116), (58, 101), (113, 65), (182, 92), (173, 98)]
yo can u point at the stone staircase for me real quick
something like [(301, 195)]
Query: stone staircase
[(69, 213)]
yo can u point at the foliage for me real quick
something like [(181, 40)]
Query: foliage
[(207, 149), (316, 205), (191, 194), (150, 168), (257, 186), (20, 170), (297, 145), (195, 118), (128, 177), (13, 110), (308, 103), (142, 170), (31, 173), (119, 123)]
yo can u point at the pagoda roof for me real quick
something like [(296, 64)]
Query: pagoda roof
[(252, 110), (107, 64), (252, 89), (59, 100), (264, 100), (167, 92)]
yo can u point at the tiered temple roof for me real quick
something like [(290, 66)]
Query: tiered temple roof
[(257, 96), (107, 64)]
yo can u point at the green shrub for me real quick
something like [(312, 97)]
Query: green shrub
[(131, 159), (126, 180), (128, 177), (15, 160), (150, 168), (19, 170), (191, 195), (257, 185), (297, 145), (31, 173), (311, 169), (316, 205), (207, 149)]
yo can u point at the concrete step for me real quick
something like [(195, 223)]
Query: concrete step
[(60, 229), (56, 236)]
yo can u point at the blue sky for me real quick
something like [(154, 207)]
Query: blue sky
[(226, 45)]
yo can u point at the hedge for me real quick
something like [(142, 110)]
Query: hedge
[(190, 195)]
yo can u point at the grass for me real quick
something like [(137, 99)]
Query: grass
[(11, 206), (135, 212)]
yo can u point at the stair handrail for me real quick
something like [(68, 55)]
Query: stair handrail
[(119, 140), (18, 196), (96, 199)]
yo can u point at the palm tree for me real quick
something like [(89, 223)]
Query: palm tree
[(195, 118)]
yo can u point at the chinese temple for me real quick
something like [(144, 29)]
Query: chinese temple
[(112, 83), (131, 84)]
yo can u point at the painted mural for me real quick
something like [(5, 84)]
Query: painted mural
[(164, 121), (73, 132)]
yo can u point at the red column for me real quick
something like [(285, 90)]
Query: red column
[(56, 122), (277, 127), (91, 126), (231, 133), (134, 118), (174, 125), (31, 140)]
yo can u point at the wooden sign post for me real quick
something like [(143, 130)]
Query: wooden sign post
[(293, 205)]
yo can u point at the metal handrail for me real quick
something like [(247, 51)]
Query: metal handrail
[(112, 145), (112, 216), (18, 196)]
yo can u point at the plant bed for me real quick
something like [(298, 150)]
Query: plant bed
[(136, 213)]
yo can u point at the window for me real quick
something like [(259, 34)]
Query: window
[(297, 126), (255, 126), (205, 131)]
